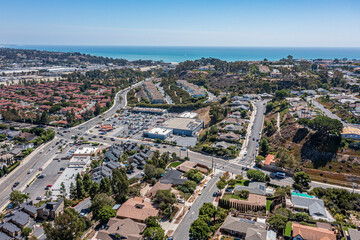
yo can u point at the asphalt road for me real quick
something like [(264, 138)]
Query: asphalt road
[(182, 232), (43, 155), (255, 134)]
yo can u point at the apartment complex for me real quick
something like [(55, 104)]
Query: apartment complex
[(193, 90), (153, 93)]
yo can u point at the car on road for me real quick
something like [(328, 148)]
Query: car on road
[(39, 198), (244, 168), (253, 139), (42, 175), (280, 175), (16, 184), (30, 171), (215, 194), (183, 149), (112, 139)]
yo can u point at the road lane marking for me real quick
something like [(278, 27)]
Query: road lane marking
[(22, 175)]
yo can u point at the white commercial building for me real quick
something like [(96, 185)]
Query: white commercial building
[(156, 132)]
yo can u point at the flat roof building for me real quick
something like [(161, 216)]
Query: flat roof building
[(149, 110), (184, 126), (189, 115), (156, 132)]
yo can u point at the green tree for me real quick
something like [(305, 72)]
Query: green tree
[(199, 230), (301, 181), (278, 222), (325, 125), (72, 191), (105, 186), (280, 95), (98, 202), (80, 191), (301, 216), (243, 113), (264, 147), (152, 221), (63, 190), (195, 175), (154, 233), (17, 197), (97, 110), (119, 184), (165, 199), (208, 209), (94, 189), (188, 186), (66, 226), (256, 175), (153, 172), (221, 184), (26, 231), (87, 181), (106, 212)]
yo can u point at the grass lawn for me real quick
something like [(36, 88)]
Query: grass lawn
[(175, 164), (288, 229), (234, 196), (268, 205), (242, 182)]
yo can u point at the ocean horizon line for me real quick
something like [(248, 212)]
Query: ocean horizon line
[(183, 53), (172, 46)]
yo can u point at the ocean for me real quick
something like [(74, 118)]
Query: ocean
[(180, 54)]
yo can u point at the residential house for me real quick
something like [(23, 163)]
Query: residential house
[(49, 211), (222, 144), (312, 204), (258, 188), (173, 177), (253, 203), (137, 209), (10, 229), (242, 228), (303, 232), (230, 136), (158, 186), (126, 228)]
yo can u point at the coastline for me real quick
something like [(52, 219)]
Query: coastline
[(178, 54)]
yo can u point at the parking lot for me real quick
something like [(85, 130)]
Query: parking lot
[(129, 124)]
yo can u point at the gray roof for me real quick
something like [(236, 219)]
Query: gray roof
[(4, 236), (309, 204), (240, 225), (10, 227), (20, 218), (255, 234), (317, 209), (173, 177), (30, 208), (254, 187), (354, 234)]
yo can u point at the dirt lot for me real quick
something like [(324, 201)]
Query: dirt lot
[(204, 114)]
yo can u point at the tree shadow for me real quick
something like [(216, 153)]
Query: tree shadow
[(320, 150), (300, 134)]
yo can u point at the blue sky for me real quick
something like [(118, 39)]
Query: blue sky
[(304, 23)]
